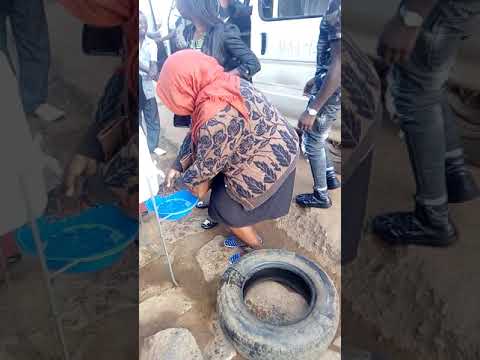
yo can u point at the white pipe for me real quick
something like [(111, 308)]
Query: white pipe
[(152, 196), (45, 272)]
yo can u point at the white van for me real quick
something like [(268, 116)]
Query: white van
[(284, 37)]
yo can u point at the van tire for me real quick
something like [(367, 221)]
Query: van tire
[(303, 339)]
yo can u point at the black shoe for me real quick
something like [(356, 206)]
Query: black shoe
[(461, 187), (201, 205), (332, 180), (427, 226), (208, 224), (319, 199)]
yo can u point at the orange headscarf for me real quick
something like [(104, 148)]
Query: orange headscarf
[(192, 83)]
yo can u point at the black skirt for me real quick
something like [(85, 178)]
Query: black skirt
[(223, 209)]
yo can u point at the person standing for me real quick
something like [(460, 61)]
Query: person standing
[(147, 65), (421, 41), (238, 14), (203, 30), (322, 110), (239, 146), (30, 30)]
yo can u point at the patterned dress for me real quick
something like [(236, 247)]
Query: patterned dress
[(254, 157)]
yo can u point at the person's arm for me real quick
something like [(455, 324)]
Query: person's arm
[(214, 148), (153, 68), (331, 83), (397, 40), (184, 156), (158, 38), (249, 64), (333, 79)]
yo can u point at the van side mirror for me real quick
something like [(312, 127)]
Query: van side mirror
[(102, 41)]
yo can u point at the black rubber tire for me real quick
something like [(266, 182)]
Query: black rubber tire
[(305, 339)]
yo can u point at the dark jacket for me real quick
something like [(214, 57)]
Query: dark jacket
[(223, 42)]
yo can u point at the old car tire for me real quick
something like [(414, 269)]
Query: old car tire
[(304, 339)]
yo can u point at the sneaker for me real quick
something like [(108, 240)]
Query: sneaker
[(427, 226), (461, 187), (332, 180), (159, 152), (208, 224), (317, 199)]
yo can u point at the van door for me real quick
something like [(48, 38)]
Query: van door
[(284, 36)]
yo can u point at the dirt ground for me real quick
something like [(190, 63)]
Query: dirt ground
[(416, 300)]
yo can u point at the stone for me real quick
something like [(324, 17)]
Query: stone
[(219, 348), (170, 305), (213, 258), (171, 344)]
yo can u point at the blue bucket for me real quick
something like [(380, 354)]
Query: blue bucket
[(98, 236), (174, 206)]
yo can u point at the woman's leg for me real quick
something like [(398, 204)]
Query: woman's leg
[(248, 235)]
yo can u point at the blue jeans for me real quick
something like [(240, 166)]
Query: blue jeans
[(149, 108), (315, 139), (420, 95), (30, 30)]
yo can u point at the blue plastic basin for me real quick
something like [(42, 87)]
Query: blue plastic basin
[(174, 206), (98, 236)]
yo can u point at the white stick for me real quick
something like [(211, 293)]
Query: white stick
[(45, 272), (152, 196)]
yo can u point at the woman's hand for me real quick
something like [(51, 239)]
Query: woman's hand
[(201, 190), (80, 166), (127, 202), (172, 176)]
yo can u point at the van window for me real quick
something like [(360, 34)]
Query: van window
[(287, 9)]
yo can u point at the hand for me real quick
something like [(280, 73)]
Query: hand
[(201, 190), (130, 205), (172, 176), (308, 87), (306, 121), (79, 167), (397, 41)]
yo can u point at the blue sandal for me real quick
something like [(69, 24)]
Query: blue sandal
[(232, 242), (235, 258)]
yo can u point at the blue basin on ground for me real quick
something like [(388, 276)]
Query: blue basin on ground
[(98, 236), (174, 206)]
